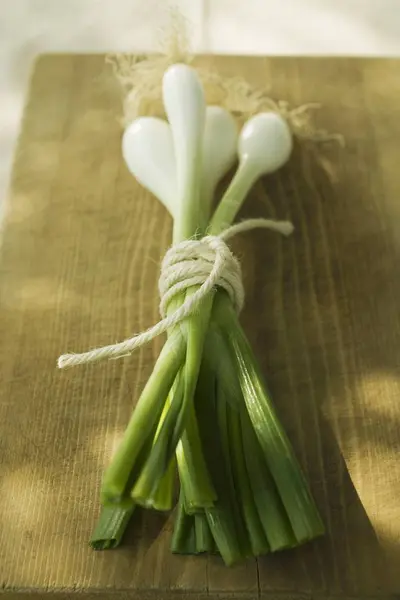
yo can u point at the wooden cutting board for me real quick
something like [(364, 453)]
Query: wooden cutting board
[(79, 264)]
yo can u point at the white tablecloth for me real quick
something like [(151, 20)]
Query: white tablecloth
[(30, 27)]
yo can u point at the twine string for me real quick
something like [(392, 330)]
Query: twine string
[(207, 263)]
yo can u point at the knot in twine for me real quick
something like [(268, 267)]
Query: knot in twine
[(207, 263)]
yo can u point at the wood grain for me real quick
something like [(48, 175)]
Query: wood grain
[(79, 261)]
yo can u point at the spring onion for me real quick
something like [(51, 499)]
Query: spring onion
[(205, 407)]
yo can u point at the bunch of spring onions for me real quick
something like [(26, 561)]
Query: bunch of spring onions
[(205, 408)]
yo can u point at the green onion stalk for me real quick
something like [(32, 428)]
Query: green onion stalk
[(205, 409)]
